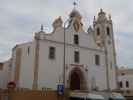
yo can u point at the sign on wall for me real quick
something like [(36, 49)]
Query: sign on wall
[(60, 89)]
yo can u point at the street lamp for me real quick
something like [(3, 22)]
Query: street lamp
[(64, 62)]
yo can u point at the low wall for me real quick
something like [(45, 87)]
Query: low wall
[(30, 95)]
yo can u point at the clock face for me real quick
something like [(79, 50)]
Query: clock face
[(76, 25)]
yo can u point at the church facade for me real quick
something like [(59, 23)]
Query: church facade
[(69, 55)]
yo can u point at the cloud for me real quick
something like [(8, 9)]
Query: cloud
[(124, 49), (19, 19)]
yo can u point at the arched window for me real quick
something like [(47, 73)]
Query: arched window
[(108, 31), (98, 31)]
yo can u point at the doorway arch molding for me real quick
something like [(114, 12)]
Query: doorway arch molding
[(77, 79)]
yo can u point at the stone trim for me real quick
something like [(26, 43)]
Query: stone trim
[(72, 45)]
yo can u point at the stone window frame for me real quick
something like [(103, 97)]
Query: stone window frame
[(52, 51), (76, 56), (97, 59), (76, 39)]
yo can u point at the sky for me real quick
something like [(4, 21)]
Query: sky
[(20, 19)]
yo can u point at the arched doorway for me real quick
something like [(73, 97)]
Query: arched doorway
[(77, 80)]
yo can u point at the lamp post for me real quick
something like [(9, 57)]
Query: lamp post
[(64, 55)]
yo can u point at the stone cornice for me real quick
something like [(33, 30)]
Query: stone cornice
[(72, 45)]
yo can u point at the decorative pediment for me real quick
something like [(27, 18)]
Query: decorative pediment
[(77, 24), (99, 41), (57, 23)]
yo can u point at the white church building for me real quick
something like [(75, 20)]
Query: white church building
[(69, 55)]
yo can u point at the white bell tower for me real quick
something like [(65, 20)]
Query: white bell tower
[(103, 30)]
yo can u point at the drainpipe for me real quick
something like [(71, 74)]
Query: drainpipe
[(106, 62), (107, 67), (36, 64), (116, 67), (64, 55)]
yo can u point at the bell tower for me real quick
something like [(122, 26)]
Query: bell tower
[(104, 37)]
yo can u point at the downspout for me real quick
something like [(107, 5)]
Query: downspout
[(106, 61), (116, 67), (36, 64)]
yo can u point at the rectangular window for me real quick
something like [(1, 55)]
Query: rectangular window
[(108, 31), (127, 84), (98, 31), (28, 50), (76, 39), (51, 52), (111, 67), (97, 60), (76, 57), (120, 84), (122, 73), (1, 66)]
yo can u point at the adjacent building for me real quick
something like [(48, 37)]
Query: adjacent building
[(126, 79)]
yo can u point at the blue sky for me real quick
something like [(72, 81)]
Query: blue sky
[(19, 19)]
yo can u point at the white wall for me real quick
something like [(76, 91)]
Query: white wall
[(51, 70), (26, 66), (4, 75)]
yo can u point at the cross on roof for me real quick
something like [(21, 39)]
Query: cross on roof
[(41, 27), (74, 4)]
